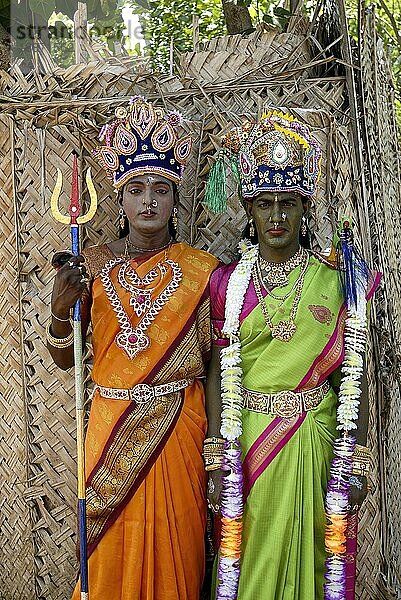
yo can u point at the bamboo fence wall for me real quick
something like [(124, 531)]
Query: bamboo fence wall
[(44, 118)]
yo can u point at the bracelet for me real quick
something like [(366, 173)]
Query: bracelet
[(360, 468), (58, 318), (213, 453), (361, 453), (212, 450), (361, 460), (59, 342), (214, 440), (356, 482), (213, 463)]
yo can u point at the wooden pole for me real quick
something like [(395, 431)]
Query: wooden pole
[(195, 32), (80, 31)]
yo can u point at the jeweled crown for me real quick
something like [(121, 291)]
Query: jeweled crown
[(142, 139), (275, 154)]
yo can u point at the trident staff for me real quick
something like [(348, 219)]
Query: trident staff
[(75, 219)]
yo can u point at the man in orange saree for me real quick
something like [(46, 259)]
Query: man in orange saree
[(150, 314)]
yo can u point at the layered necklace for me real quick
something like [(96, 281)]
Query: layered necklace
[(134, 340), (279, 272)]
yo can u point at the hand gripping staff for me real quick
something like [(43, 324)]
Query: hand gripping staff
[(75, 219)]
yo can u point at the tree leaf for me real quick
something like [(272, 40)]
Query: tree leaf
[(42, 8)]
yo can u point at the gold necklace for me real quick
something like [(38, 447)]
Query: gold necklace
[(277, 272), (128, 244), (269, 290), (267, 286), (284, 330)]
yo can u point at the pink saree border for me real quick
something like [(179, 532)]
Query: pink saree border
[(332, 354), (350, 557), (266, 447)]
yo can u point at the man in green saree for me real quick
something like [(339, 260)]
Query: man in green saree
[(279, 320)]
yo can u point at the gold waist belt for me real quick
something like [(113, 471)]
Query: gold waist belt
[(142, 393), (286, 403)]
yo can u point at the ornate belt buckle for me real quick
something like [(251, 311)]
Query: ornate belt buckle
[(286, 404), (142, 393)]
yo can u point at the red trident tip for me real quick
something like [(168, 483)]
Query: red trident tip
[(74, 208)]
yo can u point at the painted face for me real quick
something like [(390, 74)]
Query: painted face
[(277, 217), (148, 202)]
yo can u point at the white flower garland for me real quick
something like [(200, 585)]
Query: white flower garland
[(231, 427), (337, 498), (231, 372)]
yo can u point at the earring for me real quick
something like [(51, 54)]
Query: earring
[(174, 218), (122, 218), (304, 226), (251, 228)]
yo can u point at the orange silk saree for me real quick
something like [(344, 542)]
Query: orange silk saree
[(146, 481)]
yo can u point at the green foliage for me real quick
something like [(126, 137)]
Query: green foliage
[(61, 41), (163, 20)]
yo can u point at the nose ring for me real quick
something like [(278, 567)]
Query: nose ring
[(154, 203), (143, 201)]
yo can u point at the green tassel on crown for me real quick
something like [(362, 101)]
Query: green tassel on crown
[(216, 186)]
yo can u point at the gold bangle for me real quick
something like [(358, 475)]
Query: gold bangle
[(213, 448), (213, 463), (361, 455), (361, 458), (61, 343), (58, 318), (360, 468), (212, 455), (214, 440)]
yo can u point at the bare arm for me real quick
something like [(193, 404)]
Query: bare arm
[(213, 394), (213, 410), (361, 432)]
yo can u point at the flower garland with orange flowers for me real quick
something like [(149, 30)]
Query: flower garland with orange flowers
[(231, 428), (354, 274), (337, 498)]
